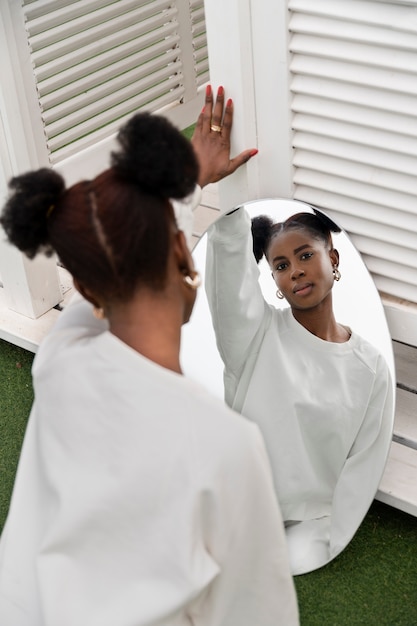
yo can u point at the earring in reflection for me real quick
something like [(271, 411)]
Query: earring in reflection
[(98, 313), (193, 282), (336, 273), (279, 294)]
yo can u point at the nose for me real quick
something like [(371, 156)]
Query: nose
[(297, 273)]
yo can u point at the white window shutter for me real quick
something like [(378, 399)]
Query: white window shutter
[(354, 85), (96, 62)]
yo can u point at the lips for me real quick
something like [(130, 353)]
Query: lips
[(302, 288)]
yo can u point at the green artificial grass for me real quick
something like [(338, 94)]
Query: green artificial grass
[(372, 583), (16, 396)]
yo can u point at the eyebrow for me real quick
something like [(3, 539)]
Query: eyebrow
[(296, 251)]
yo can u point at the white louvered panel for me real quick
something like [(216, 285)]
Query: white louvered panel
[(198, 26), (106, 83), (331, 92), (354, 67), (148, 99), (93, 56), (98, 61), (111, 18), (370, 246), (383, 79), (354, 170), (84, 137), (382, 126), (338, 205), (391, 278), (367, 12)]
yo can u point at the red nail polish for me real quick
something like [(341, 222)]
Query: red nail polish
[(208, 91), (229, 103), (202, 110), (254, 152), (220, 91)]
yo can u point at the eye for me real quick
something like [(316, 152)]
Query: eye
[(281, 266), (306, 255)]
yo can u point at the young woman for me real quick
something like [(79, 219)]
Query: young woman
[(139, 498), (321, 394)]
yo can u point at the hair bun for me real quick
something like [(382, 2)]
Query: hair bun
[(156, 156), (261, 232), (26, 212)]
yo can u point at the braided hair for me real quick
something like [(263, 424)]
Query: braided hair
[(264, 229)]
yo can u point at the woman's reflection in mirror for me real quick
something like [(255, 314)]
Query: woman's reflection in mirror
[(321, 393)]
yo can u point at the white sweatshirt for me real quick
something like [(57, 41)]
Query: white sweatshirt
[(139, 498)]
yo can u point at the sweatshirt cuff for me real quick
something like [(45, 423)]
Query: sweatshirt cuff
[(235, 223)]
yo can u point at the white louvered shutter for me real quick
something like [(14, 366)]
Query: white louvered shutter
[(354, 85), (96, 62), (199, 41)]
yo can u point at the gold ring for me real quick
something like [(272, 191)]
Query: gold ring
[(217, 129)]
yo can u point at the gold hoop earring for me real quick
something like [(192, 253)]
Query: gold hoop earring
[(192, 282), (336, 273), (98, 313), (279, 294)]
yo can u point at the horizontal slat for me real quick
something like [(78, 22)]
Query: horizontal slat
[(349, 32), (97, 115), (61, 41), (95, 55), (387, 151), (81, 93), (372, 242), (388, 14), (383, 179), (363, 95), (406, 370), (84, 138), (363, 55), (388, 269), (397, 487), (41, 16), (358, 74), (380, 124), (353, 189), (53, 27), (395, 288)]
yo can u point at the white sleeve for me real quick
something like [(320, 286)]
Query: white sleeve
[(363, 469), (245, 536), (237, 306)]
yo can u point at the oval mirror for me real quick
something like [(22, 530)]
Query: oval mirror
[(316, 535)]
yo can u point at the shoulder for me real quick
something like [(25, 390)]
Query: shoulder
[(369, 354)]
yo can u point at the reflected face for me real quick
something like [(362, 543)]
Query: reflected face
[(302, 267)]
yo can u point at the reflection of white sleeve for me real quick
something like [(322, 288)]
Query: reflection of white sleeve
[(183, 210), (362, 471), (245, 536), (235, 298)]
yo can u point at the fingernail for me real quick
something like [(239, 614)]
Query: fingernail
[(208, 90), (202, 110), (229, 103), (254, 152), (220, 91)]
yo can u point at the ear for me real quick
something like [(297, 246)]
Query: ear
[(86, 293), (334, 257)]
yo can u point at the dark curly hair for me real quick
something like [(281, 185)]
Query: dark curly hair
[(264, 229), (111, 233)]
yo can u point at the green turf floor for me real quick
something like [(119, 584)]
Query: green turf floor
[(372, 583)]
